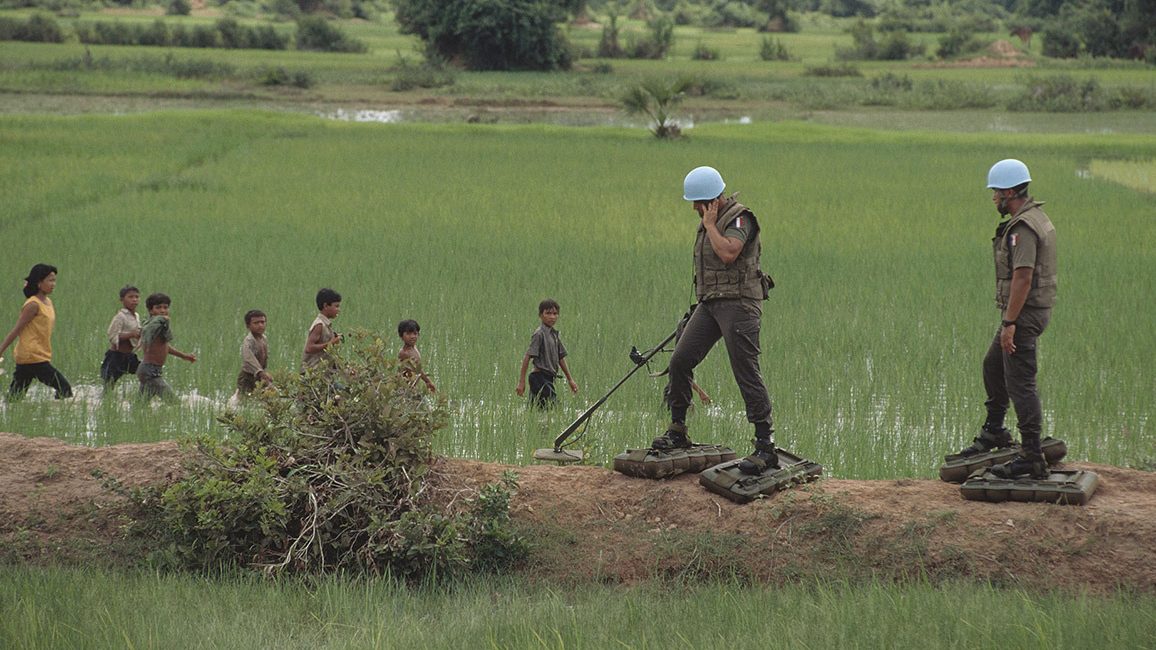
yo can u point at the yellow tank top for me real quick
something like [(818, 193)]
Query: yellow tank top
[(34, 345)]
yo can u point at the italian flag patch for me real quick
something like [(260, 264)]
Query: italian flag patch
[(1013, 240)]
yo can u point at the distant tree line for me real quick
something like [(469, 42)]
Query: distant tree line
[(523, 34), (313, 33)]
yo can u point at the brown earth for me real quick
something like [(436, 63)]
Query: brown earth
[(1000, 54), (591, 524)]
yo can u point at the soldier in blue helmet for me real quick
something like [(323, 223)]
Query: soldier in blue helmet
[(1025, 281), (730, 288)]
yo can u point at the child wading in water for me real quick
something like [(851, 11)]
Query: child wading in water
[(321, 335), (409, 356), (123, 337), (254, 354), (33, 328), (155, 338), (548, 356)]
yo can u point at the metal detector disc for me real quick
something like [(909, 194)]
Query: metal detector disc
[(562, 456)]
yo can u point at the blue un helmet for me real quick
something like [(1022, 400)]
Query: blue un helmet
[(702, 184), (1007, 174)]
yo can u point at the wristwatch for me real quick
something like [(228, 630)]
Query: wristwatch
[(1007, 323)]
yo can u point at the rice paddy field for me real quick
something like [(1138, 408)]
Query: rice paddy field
[(229, 196), (879, 242)]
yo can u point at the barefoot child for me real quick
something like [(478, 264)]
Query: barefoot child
[(155, 340), (254, 354), (123, 337), (409, 355), (33, 328)]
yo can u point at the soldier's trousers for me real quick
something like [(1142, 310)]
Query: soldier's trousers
[(1012, 377), (737, 323)]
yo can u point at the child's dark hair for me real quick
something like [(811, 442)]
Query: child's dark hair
[(547, 305), (35, 277), (157, 299), (327, 297), (408, 325), (127, 289), (253, 313)]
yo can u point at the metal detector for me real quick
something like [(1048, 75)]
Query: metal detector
[(559, 453)]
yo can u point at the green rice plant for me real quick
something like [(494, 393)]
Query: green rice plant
[(56, 607), (871, 342)]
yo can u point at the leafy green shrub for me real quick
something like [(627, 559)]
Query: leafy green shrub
[(233, 36), (157, 34), (330, 472), (279, 76), (958, 42), (489, 34), (39, 28), (1060, 94), (773, 50), (408, 76), (317, 33), (889, 82), (895, 46), (265, 37), (703, 52), (494, 542), (731, 14), (179, 8), (657, 99), (608, 45), (657, 44)]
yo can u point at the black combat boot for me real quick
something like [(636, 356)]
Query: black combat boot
[(763, 459), (990, 437), (674, 438), (1030, 463)]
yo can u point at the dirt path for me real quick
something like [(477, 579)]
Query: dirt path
[(592, 524)]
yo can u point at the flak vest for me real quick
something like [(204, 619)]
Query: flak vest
[(713, 279), (1042, 294)]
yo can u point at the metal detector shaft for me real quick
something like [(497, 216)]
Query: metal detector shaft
[(639, 361)]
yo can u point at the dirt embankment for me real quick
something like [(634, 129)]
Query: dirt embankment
[(589, 523)]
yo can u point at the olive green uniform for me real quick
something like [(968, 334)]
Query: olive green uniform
[(1027, 240), (729, 307)]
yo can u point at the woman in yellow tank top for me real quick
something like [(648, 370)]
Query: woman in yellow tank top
[(33, 352)]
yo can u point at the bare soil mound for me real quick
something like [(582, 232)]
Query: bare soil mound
[(1000, 54), (591, 524)]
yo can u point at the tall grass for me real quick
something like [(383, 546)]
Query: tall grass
[(880, 243), (93, 609)]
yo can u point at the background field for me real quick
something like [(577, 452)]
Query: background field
[(880, 243)]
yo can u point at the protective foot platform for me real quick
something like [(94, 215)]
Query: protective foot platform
[(1061, 486), (665, 463), (958, 467), (562, 456), (726, 480)]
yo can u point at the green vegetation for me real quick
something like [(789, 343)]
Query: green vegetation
[(85, 608), (328, 473), (871, 342), (488, 34)]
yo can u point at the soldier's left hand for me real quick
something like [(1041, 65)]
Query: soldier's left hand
[(1007, 339)]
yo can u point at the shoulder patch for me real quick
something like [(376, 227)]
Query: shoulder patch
[(1013, 239)]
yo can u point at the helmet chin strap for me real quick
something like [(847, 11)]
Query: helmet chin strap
[(1003, 201), (1002, 206)]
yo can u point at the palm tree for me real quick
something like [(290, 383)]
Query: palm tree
[(657, 99)]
